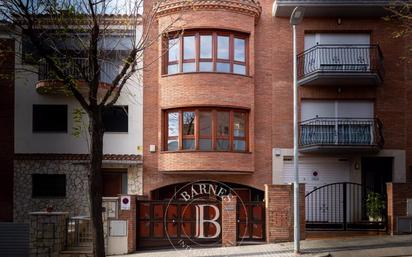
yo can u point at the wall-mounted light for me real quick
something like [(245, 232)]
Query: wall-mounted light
[(357, 165), (339, 21), (152, 148)]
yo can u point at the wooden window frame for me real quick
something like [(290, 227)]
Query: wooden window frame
[(214, 137), (214, 60)]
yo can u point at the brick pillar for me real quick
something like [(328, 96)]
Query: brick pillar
[(47, 233), (397, 195), (130, 216), (229, 221), (279, 212)]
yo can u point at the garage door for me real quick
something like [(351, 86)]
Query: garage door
[(316, 172)]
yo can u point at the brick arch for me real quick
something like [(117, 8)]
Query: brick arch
[(167, 191)]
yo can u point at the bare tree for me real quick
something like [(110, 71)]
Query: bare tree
[(400, 11), (61, 31)]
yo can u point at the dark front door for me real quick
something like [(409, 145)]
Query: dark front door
[(376, 172), (114, 182)]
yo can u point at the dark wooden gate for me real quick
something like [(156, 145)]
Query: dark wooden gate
[(164, 224), (341, 206), (250, 217)]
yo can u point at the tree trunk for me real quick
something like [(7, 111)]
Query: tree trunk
[(95, 180)]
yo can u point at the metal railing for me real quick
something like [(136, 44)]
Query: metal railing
[(79, 233), (341, 131), (77, 68), (341, 59)]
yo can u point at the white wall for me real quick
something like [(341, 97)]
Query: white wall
[(28, 142)]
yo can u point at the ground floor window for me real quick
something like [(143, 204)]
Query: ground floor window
[(48, 185)]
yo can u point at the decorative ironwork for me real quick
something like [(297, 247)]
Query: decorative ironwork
[(341, 206), (77, 69), (79, 233), (341, 131), (341, 59)]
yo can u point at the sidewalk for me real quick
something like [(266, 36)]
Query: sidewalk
[(365, 246)]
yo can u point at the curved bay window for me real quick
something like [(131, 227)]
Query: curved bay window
[(207, 51), (206, 129)]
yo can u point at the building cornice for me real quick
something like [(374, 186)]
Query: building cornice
[(247, 7)]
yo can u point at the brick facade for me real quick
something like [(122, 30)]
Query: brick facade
[(6, 128), (229, 224), (267, 93), (279, 212), (130, 216), (397, 194)]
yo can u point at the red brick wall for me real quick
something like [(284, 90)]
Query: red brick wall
[(6, 128), (397, 195), (130, 216), (267, 92), (229, 224), (198, 89), (279, 212)]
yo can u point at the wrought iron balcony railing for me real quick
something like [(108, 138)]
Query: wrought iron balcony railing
[(345, 60), (341, 132), (76, 69)]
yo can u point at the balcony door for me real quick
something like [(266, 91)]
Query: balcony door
[(337, 122), (337, 52)]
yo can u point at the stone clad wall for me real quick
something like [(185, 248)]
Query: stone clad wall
[(76, 201), (47, 233)]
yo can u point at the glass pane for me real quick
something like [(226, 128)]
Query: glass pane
[(189, 50), (239, 124), (188, 144), (222, 145), (239, 50), (223, 47), (205, 123), (206, 66), (173, 49), (173, 124), (206, 46), (188, 123), (205, 144), (172, 144), (189, 67), (172, 68), (223, 67), (222, 123), (239, 145), (239, 69)]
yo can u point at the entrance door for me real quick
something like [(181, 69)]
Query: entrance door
[(376, 172)]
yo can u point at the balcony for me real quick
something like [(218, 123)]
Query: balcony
[(341, 65), (332, 8), (341, 135), (48, 84)]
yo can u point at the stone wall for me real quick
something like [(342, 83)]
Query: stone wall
[(76, 201), (47, 233)]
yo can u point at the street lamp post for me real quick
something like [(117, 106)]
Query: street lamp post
[(295, 19)]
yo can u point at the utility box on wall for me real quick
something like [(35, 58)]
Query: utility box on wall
[(117, 241)]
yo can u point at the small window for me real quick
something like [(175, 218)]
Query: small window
[(115, 119), (49, 118), (48, 185)]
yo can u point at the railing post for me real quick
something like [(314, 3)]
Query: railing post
[(344, 206)]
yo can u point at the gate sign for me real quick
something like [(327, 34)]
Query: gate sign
[(125, 202)]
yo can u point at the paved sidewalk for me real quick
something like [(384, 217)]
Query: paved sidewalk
[(365, 246)]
